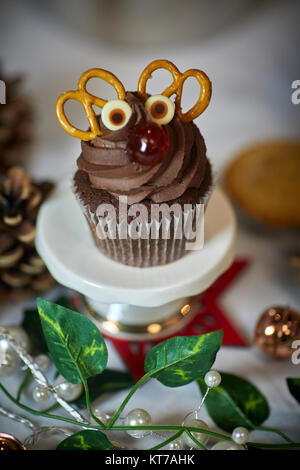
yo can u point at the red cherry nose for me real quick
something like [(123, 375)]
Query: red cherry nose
[(147, 143)]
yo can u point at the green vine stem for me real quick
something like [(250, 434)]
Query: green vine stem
[(167, 441), (173, 428), (276, 431), (199, 444), (87, 398), (24, 383), (144, 379), (52, 407), (86, 389)]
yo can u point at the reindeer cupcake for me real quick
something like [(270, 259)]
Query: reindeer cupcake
[(143, 175)]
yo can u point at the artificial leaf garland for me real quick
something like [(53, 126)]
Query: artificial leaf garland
[(92, 435)]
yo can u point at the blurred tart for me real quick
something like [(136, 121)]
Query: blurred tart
[(264, 182)]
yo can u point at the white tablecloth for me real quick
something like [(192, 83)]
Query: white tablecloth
[(252, 67)]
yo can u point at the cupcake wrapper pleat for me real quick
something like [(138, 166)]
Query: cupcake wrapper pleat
[(147, 251)]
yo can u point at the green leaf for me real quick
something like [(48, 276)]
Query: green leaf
[(86, 440), (107, 382), (294, 388), (74, 342), (33, 327), (235, 402), (180, 360)]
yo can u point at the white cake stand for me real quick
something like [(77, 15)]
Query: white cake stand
[(128, 302)]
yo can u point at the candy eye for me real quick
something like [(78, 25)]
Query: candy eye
[(160, 108), (115, 114)]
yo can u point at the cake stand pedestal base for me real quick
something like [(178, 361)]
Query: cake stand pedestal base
[(128, 321), (123, 301)]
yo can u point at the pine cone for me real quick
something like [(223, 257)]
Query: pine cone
[(22, 271), (16, 123)]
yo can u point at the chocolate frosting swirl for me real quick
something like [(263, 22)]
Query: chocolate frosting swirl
[(108, 166)]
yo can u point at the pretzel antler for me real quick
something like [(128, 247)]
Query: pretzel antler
[(146, 74), (87, 100), (177, 86)]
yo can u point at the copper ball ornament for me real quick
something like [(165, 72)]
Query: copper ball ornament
[(9, 442), (276, 330)]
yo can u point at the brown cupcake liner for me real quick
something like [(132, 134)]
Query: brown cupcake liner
[(141, 252), (146, 251)]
